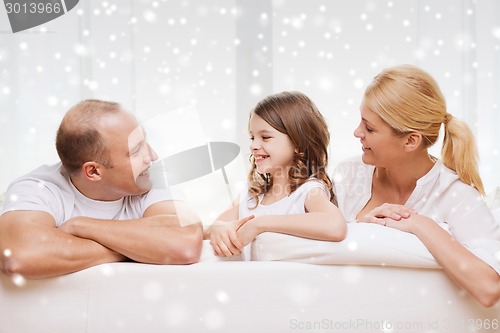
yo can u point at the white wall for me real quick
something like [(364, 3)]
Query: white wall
[(217, 58)]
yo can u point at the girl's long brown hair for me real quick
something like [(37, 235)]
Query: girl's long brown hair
[(294, 114)]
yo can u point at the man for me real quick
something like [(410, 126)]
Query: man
[(98, 205)]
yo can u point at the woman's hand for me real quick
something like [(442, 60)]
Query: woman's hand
[(391, 215), (224, 239)]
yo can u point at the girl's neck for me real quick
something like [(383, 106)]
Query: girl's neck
[(281, 180), (279, 190)]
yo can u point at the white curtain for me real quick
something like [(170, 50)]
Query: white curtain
[(218, 58)]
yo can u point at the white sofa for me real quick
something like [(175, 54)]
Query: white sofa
[(377, 280)]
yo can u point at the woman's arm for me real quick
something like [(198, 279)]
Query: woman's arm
[(322, 221), (468, 271)]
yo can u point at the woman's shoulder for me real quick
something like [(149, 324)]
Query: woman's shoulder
[(449, 178), (447, 181)]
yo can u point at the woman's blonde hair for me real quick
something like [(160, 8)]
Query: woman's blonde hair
[(409, 100), (294, 114)]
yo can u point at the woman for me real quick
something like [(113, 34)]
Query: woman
[(399, 185)]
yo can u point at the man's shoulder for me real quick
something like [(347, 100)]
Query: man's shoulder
[(48, 177), (42, 189), (45, 173), (155, 195), (44, 179)]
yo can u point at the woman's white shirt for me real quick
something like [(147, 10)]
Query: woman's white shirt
[(440, 195)]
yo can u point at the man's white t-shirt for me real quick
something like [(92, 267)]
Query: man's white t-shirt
[(440, 195), (49, 189)]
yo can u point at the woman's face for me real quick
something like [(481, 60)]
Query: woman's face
[(381, 146)]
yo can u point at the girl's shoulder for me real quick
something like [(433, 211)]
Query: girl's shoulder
[(314, 182), (310, 184)]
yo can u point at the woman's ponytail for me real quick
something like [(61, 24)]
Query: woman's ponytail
[(459, 152)]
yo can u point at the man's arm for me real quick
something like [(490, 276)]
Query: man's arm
[(31, 245), (168, 233)]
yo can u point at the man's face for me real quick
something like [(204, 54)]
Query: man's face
[(130, 155)]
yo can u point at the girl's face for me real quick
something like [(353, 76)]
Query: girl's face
[(381, 146), (272, 150)]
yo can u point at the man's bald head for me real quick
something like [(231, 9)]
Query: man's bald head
[(78, 138)]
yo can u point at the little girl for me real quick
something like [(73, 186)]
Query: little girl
[(289, 189)]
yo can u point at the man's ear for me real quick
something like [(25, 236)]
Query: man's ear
[(92, 171), (413, 141)]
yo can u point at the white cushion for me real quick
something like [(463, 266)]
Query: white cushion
[(365, 244)]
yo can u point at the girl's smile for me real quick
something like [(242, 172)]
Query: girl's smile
[(259, 158)]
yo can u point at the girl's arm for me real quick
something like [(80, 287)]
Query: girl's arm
[(322, 221), (222, 233), (468, 271)]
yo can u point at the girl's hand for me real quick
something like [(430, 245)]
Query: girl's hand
[(224, 239), (247, 233), (388, 213)]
